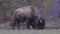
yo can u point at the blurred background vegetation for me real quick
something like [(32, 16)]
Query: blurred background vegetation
[(49, 10)]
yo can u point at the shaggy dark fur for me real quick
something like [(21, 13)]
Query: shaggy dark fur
[(30, 15)]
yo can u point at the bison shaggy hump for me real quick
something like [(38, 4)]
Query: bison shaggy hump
[(30, 14), (26, 11)]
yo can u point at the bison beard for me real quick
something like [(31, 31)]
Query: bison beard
[(30, 16)]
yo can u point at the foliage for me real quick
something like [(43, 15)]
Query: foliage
[(10, 3), (48, 4), (40, 2), (32, 2), (1, 9)]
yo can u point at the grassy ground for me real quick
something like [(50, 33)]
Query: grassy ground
[(46, 31)]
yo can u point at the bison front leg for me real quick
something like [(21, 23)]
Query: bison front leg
[(28, 23), (33, 26)]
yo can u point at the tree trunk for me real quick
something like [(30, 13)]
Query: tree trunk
[(6, 10)]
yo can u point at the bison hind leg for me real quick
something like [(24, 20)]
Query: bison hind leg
[(13, 25), (16, 23)]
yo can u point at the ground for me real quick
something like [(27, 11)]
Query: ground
[(46, 31)]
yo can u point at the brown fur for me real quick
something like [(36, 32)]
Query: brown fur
[(30, 12)]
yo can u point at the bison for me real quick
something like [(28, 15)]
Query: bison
[(30, 15)]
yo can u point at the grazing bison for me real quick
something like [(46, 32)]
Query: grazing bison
[(30, 15)]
